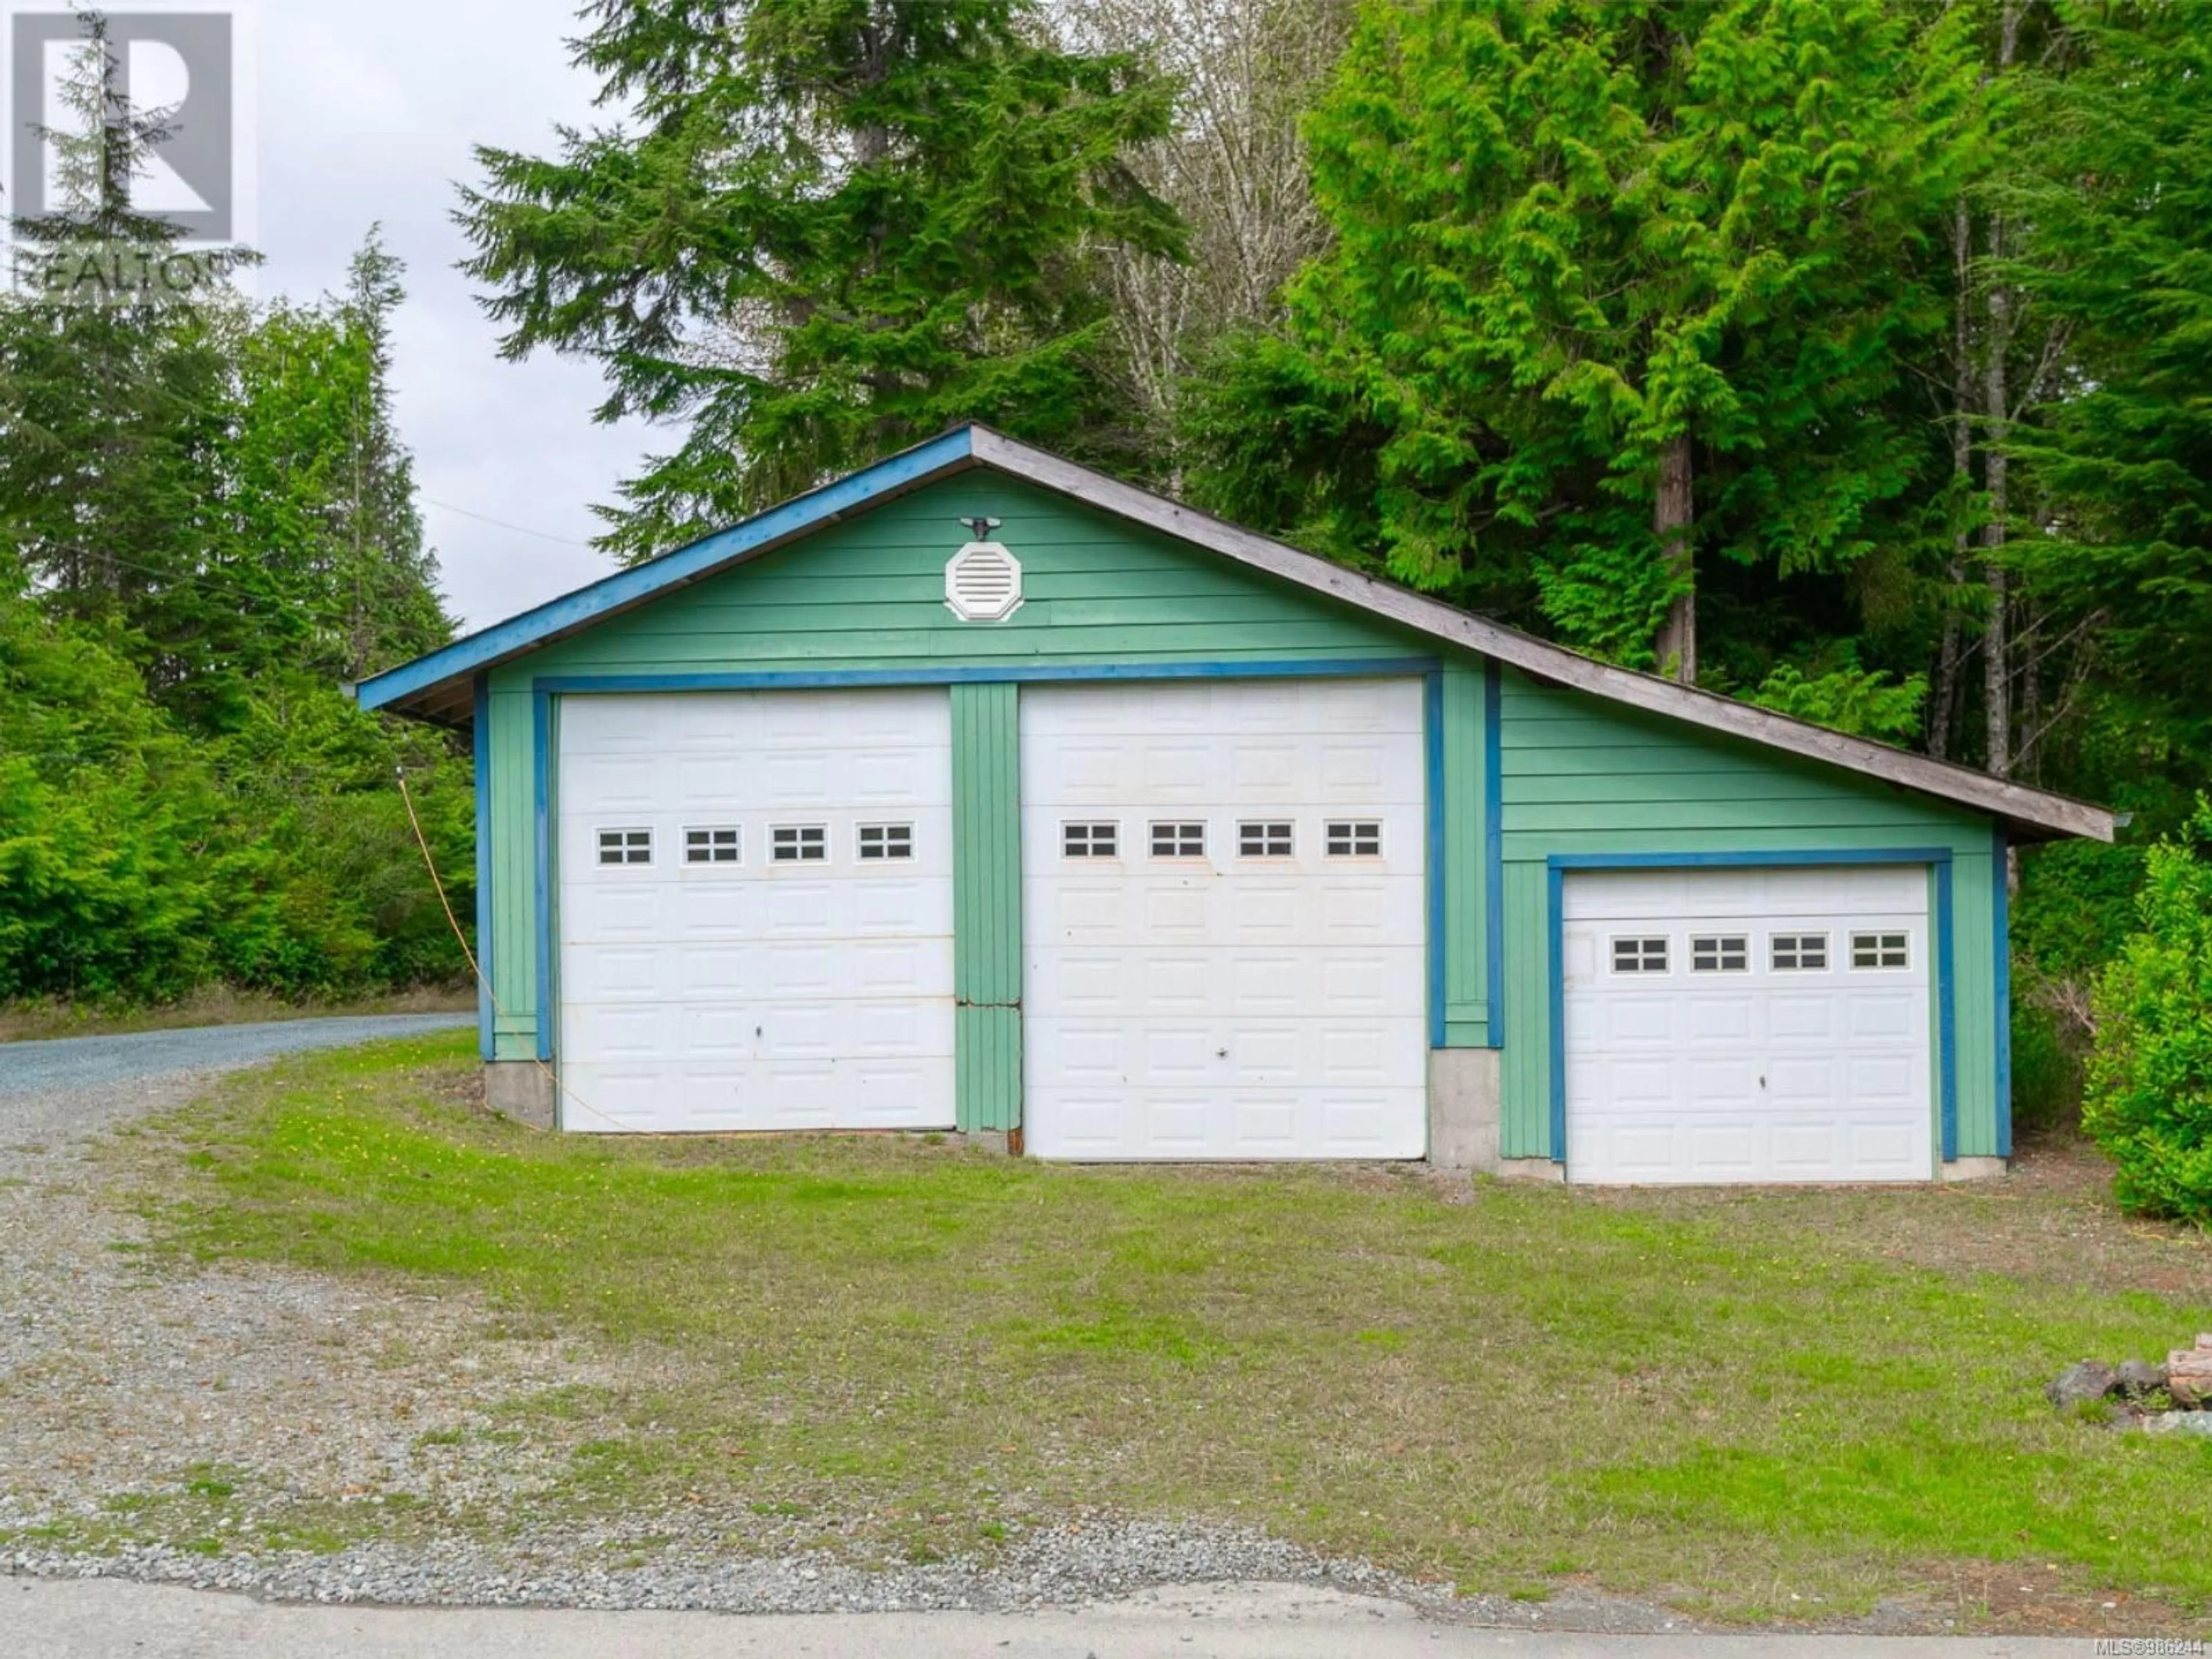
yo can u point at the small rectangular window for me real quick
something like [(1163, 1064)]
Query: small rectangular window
[(1639, 956), (886, 840), (1880, 951), (1090, 841), (1354, 838), (1178, 841), (625, 846), (798, 843), (1270, 839), (710, 846), (1799, 953), (1720, 953)]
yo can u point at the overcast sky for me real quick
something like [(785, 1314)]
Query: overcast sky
[(368, 113)]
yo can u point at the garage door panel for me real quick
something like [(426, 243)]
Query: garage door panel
[(1757, 1074), (1268, 1006), (793, 995)]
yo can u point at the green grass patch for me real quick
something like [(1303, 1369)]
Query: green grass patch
[(1726, 1402)]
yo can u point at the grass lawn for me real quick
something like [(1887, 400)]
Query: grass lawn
[(1753, 1406)]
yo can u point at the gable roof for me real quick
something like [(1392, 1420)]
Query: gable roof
[(438, 687)]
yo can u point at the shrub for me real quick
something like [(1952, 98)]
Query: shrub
[(2149, 1099)]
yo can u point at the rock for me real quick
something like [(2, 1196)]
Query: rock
[(2198, 1424), (2188, 1376), (2141, 1375), (2087, 1380)]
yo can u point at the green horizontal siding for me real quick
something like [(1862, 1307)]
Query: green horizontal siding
[(1584, 775), (870, 593)]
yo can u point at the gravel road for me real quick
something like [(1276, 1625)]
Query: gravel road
[(69, 1064)]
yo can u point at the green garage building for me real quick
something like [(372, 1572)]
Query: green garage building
[(977, 791)]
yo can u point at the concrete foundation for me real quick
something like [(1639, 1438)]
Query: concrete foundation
[(1464, 1089), (1531, 1169), (522, 1090), (1973, 1168)]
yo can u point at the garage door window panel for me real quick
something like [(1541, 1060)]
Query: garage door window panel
[(718, 844), (625, 847), (799, 844), (881, 841), (1178, 841), (1355, 838), (1645, 953), (1264, 839), (1799, 953), (1720, 953), (1880, 951), (1091, 841)]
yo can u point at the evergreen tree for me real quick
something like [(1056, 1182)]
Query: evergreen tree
[(1619, 289), (2117, 192), (828, 227)]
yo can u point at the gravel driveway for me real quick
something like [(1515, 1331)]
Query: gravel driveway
[(261, 1429), (69, 1065)]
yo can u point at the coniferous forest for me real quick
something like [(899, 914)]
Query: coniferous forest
[(1850, 356)]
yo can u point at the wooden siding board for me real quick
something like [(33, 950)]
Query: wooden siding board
[(987, 905), (1467, 984), (1641, 784), (513, 955), (1525, 1117)]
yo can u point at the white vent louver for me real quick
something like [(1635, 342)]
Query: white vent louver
[(983, 582)]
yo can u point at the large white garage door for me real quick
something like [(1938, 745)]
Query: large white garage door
[(755, 911), (1748, 1024), (1223, 907)]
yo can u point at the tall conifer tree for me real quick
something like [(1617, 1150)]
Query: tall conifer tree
[(1619, 287), (824, 229)]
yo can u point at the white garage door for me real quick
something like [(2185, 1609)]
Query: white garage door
[(1224, 906), (1749, 1024), (755, 911)]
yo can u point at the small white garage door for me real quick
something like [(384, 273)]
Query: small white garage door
[(755, 911), (1757, 1025), (1223, 909)]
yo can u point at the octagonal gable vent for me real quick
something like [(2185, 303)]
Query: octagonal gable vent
[(983, 582)]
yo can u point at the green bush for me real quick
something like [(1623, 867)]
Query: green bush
[(2148, 1096)]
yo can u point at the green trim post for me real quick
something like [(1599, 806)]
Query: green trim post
[(987, 906)]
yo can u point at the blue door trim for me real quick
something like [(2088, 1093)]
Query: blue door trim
[(1433, 738), (802, 679), (1937, 858), (541, 795), (481, 735), (1493, 850), (2001, 913)]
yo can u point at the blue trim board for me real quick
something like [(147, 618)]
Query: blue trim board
[(2001, 911), (701, 558), (1554, 931), (1493, 850), (1557, 866), (482, 733), (1696, 860), (1432, 736), (541, 763), (802, 679), (1947, 1013)]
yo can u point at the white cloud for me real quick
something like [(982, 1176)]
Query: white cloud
[(370, 113)]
